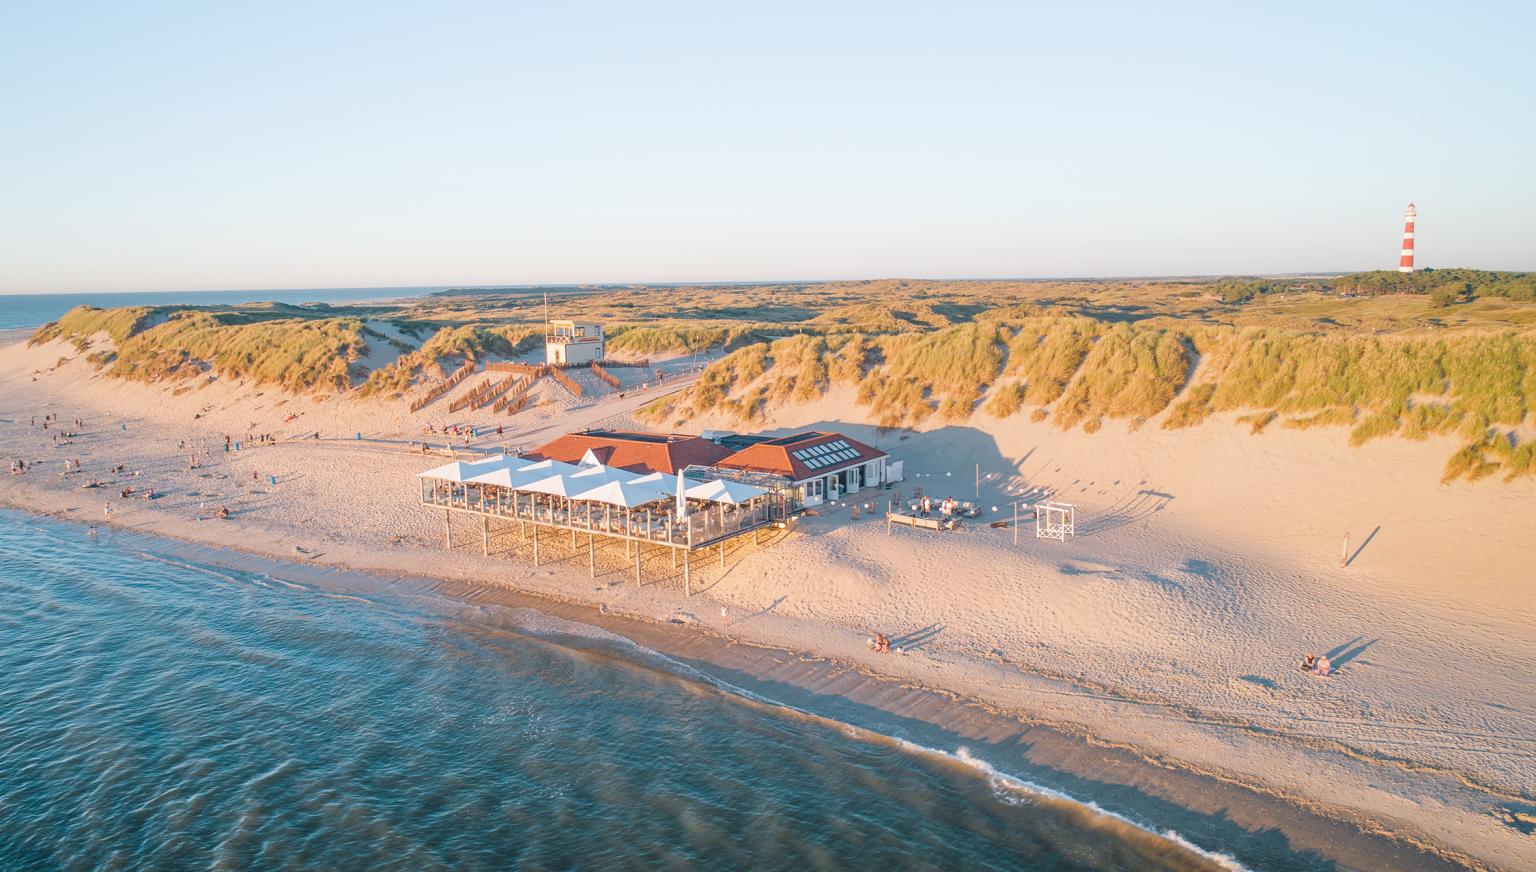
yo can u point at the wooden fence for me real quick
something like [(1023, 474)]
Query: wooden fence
[(533, 370), (565, 381), (516, 397), (485, 393), (605, 375), (453, 381)]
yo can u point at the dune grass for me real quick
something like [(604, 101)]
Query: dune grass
[(83, 322), (1131, 372), (1007, 400), (296, 354), (680, 339), (447, 349)]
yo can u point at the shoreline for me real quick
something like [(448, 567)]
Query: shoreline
[(1215, 815)]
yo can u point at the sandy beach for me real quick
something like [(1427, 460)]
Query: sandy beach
[(1151, 661)]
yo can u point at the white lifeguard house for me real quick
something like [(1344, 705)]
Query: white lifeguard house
[(568, 343)]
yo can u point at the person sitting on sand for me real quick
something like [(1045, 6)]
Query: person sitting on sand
[(1309, 663), (223, 512), (882, 644), (1324, 666)]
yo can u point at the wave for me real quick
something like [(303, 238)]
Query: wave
[(1008, 788)]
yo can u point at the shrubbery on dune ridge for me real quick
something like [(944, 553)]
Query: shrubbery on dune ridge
[(1080, 372)]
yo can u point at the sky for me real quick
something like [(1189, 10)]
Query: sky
[(166, 146)]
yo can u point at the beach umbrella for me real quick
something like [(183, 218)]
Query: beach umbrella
[(724, 490), (623, 493)]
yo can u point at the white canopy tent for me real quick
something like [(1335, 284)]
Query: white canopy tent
[(599, 474), (625, 494), (724, 490), (659, 480), (464, 470)]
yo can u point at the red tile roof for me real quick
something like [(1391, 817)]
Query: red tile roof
[(782, 456), (638, 452)]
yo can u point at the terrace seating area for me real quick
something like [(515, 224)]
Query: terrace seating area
[(694, 509)]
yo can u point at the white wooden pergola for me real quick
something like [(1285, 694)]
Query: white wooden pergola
[(1055, 520)]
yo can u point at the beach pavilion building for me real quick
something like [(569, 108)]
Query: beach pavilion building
[(637, 452), (820, 466)]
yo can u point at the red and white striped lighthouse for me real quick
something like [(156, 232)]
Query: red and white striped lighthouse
[(1405, 263)]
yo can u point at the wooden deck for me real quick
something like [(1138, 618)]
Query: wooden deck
[(702, 529)]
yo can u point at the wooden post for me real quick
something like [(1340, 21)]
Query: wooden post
[(1344, 554), (722, 554), (535, 544), (637, 564), (485, 535), (674, 554), (447, 528), (591, 557), (687, 585)]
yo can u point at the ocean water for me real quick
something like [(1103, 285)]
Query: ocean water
[(157, 713), (34, 310)]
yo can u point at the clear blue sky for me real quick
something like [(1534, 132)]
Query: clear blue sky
[(273, 144)]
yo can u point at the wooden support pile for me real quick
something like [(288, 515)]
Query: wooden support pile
[(605, 375), (449, 384)]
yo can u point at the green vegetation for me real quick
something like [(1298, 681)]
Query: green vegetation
[(1435, 353), (83, 322), (1443, 284), (451, 346), (298, 355), (645, 341)]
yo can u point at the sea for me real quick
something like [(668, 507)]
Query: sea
[(19, 311), (161, 712)]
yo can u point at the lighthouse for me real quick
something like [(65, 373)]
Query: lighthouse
[(1405, 262)]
